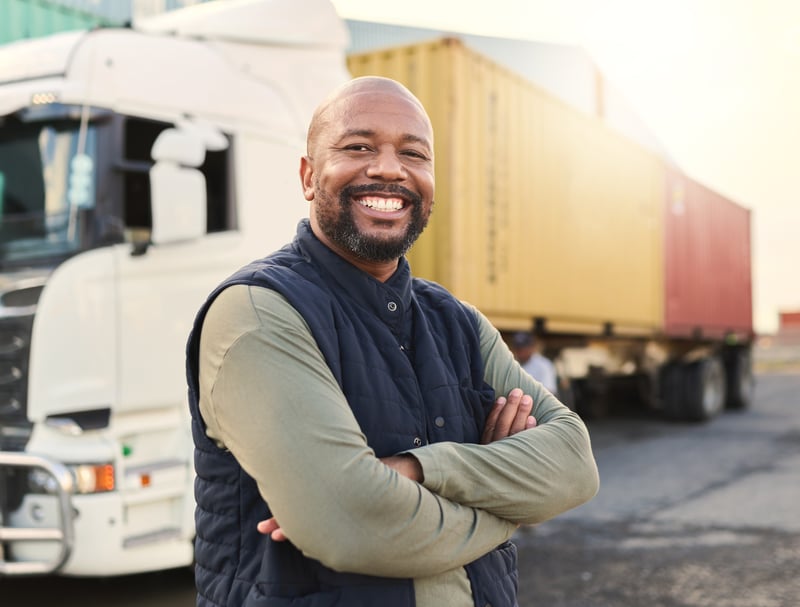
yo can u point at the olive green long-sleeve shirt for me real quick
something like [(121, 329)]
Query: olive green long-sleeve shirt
[(267, 395)]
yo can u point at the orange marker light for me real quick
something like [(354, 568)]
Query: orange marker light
[(104, 477)]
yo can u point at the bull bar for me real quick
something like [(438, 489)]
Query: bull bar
[(63, 534)]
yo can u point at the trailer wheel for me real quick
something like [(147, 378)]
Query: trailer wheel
[(591, 394), (705, 389), (741, 383), (671, 389)]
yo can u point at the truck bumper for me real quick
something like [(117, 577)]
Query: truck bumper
[(48, 526)]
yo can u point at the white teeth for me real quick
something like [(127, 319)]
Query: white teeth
[(382, 204)]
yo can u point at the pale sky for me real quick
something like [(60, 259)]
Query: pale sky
[(717, 81)]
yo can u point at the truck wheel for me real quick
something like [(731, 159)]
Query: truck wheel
[(705, 389), (741, 383), (591, 394), (671, 389)]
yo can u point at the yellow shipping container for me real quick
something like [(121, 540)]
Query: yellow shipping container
[(541, 211)]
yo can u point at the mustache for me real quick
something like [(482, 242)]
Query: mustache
[(382, 188)]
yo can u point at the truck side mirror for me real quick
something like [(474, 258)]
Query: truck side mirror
[(177, 187)]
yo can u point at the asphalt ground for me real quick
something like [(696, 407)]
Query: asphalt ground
[(687, 515)]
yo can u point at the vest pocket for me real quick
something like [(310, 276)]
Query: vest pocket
[(494, 577)]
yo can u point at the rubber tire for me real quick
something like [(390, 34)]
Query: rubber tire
[(705, 384), (671, 389), (741, 382)]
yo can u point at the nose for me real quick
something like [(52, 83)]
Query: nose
[(386, 165)]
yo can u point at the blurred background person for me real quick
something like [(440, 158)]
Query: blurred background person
[(527, 351)]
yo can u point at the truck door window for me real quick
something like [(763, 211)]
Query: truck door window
[(139, 135)]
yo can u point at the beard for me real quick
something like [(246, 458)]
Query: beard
[(336, 222)]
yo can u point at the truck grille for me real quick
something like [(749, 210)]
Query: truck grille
[(15, 340)]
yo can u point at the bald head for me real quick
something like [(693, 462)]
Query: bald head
[(336, 105), (368, 173)]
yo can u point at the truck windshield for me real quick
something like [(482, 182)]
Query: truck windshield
[(46, 180)]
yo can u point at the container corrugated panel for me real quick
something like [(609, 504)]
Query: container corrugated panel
[(112, 11), (789, 321), (541, 211), (20, 19), (708, 262), (565, 71)]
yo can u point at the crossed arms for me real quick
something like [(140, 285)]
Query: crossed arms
[(268, 396)]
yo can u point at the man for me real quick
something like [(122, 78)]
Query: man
[(536, 364), (353, 410)]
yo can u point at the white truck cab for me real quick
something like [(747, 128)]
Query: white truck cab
[(138, 168)]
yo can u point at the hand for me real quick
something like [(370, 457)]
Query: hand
[(509, 415), (271, 528)]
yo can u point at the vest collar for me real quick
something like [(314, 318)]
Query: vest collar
[(389, 300)]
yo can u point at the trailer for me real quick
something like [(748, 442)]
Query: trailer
[(138, 167), (635, 277)]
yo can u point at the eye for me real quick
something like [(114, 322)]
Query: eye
[(357, 147), (416, 154)]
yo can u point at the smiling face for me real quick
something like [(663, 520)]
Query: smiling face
[(369, 173)]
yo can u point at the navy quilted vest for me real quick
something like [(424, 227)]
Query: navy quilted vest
[(407, 355)]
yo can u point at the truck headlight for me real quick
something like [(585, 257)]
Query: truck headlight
[(93, 478), (88, 478), (41, 481)]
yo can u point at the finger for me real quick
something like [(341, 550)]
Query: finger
[(267, 526), (520, 421), (530, 422), (507, 415), (491, 420), (271, 528)]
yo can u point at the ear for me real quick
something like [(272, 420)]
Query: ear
[(307, 178)]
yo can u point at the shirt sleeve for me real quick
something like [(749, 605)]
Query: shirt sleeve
[(525, 478), (267, 395)]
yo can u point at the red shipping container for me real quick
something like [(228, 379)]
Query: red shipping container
[(708, 279), (789, 322)]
